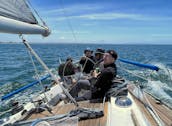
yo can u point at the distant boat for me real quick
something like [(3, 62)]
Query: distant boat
[(129, 105)]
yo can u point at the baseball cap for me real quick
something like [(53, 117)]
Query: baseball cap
[(113, 54)]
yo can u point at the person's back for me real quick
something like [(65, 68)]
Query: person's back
[(66, 68)]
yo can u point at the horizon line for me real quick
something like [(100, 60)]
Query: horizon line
[(96, 43)]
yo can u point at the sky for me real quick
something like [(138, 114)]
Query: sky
[(104, 21)]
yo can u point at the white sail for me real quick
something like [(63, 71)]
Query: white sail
[(18, 10), (16, 17)]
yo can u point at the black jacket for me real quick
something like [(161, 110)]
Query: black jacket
[(104, 81), (89, 65), (68, 70)]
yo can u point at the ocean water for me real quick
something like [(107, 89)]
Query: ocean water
[(16, 69)]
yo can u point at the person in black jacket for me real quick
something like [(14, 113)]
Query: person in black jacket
[(99, 54), (66, 68), (104, 79), (99, 59), (98, 88), (87, 61)]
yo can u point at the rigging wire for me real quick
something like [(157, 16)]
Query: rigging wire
[(158, 120), (37, 75), (43, 22), (142, 77), (52, 75), (36, 72), (68, 21), (4, 112)]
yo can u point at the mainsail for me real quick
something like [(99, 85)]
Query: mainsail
[(16, 17), (18, 10)]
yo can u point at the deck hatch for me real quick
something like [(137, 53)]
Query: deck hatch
[(123, 101)]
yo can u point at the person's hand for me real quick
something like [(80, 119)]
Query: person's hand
[(83, 58), (95, 74), (74, 81)]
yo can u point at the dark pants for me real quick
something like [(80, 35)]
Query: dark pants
[(82, 84)]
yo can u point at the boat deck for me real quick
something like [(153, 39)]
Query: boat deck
[(163, 111), (63, 109)]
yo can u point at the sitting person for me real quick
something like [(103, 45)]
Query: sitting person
[(99, 54), (99, 58), (98, 88), (67, 68), (87, 61)]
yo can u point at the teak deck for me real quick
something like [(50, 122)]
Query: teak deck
[(163, 111), (66, 108)]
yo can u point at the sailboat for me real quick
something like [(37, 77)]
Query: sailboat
[(128, 104)]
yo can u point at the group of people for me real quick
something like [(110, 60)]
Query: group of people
[(89, 62), (101, 69)]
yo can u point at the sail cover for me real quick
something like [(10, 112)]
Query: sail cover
[(17, 10)]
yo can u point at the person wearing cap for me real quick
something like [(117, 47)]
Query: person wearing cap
[(99, 54), (104, 79), (99, 59), (87, 61), (103, 82)]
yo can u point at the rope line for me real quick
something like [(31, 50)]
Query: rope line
[(37, 75), (68, 21), (43, 22), (143, 77)]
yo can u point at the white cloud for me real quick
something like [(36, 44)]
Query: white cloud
[(161, 35), (62, 37), (69, 32), (88, 24), (75, 9), (114, 16), (94, 12)]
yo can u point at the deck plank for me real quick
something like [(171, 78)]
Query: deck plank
[(163, 111), (68, 107)]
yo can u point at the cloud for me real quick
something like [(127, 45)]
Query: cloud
[(106, 16), (74, 9), (69, 32), (98, 12), (161, 35), (62, 37), (114, 16), (89, 24)]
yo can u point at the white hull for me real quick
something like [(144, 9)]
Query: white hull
[(124, 116), (132, 115), (49, 95)]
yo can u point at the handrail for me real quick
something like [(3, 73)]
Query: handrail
[(24, 88)]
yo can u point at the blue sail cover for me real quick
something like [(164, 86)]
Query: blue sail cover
[(17, 10), (149, 66)]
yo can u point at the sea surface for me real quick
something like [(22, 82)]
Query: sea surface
[(16, 68)]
